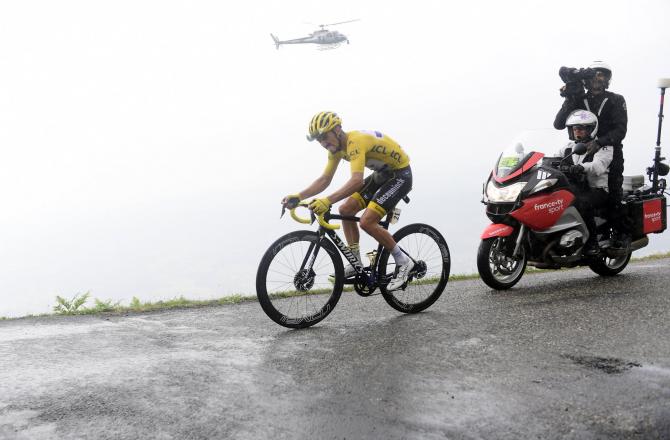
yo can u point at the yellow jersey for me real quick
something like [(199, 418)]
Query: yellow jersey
[(370, 149)]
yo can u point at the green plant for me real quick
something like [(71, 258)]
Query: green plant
[(69, 307), (105, 306), (135, 303)]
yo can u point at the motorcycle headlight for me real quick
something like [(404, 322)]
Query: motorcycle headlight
[(504, 194)]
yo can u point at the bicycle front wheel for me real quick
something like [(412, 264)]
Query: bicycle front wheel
[(429, 250), (295, 284)]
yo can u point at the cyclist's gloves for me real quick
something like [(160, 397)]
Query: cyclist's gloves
[(319, 206), (291, 201)]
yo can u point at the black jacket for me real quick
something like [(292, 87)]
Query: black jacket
[(612, 120)]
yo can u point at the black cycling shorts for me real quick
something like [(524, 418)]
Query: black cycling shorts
[(382, 190)]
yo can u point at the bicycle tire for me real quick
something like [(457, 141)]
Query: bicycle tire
[(425, 244), (283, 299)]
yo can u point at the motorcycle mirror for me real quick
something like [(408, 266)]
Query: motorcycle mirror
[(664, 83), (580, 148)]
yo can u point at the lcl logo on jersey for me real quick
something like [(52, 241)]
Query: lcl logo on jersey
[(542, 174)]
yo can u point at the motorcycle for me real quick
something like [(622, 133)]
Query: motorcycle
[(529, 198)]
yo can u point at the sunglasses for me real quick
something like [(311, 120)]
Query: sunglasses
[(321, 136)]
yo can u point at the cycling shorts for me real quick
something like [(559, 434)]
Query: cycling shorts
[(383, 189)]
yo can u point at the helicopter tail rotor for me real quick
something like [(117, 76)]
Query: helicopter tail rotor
[(276, 40)]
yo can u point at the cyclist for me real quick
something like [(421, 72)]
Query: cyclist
[(582, 127), (378, 193)]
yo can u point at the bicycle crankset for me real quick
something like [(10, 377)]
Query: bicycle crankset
[(361, 285)]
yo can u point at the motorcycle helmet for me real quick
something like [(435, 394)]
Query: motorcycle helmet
[(321, 123), (601, 66), (583, 118)]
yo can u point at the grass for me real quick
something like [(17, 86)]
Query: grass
[(652, 257), (138, 306), (77, 304)]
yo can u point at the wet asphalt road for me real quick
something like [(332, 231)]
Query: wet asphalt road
[(563, 355)]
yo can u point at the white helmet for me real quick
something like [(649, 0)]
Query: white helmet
[(584, 118), (601, 65)]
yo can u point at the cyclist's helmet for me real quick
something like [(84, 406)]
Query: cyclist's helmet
[(582, 118), (321, 123)]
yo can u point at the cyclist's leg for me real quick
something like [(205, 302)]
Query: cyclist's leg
[(384, 200), (388, 194), (352, 206), (370, 224)]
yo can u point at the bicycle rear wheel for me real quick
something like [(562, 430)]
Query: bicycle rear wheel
[(430, 274), (292, 293)]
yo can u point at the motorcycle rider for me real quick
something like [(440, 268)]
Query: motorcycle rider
[(610, 108), (377, 194), (582, 128)]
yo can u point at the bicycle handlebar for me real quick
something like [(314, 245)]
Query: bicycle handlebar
[(319, 218)]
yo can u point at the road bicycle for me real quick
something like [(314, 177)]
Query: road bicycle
[(301, 276)]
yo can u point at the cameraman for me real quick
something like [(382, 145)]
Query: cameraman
[(610, 108)]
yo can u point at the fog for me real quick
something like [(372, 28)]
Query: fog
[(145, 146)]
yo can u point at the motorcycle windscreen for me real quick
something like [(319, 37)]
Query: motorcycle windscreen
[(511, 160), (524, 152)]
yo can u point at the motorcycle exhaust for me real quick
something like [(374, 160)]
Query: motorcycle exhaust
[(639, 244)]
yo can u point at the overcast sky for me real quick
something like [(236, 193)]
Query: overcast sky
[(145, 145)]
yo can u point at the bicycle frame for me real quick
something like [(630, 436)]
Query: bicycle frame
[(370, 279)]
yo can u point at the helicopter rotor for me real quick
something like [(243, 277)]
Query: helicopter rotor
[(322, 26), (341, 22)]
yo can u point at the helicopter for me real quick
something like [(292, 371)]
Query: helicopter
[(325, 38)]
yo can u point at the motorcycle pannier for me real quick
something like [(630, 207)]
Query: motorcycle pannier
[(649, 216)]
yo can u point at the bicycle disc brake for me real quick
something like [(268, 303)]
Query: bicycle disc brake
[(304, 280)]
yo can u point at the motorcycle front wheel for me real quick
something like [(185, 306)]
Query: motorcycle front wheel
[(496, 267)]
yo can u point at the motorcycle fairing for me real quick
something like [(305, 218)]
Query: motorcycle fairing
[(542, 212), (496, 230), (571, 219), (531, 160)]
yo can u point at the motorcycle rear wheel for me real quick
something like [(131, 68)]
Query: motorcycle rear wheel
[(608, 267), (498, 270)]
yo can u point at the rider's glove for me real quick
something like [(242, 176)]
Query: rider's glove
[(576, 169), (319, 206), (291, 201)]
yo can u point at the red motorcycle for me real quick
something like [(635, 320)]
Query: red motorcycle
[(529, 199)]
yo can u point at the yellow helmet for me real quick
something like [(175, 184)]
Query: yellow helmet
[(321, 123)]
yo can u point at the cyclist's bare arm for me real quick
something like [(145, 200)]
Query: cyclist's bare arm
[(316, 187), (355, 183)]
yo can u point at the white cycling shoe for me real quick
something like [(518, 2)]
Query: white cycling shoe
[(400, 277), (349, 272)]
